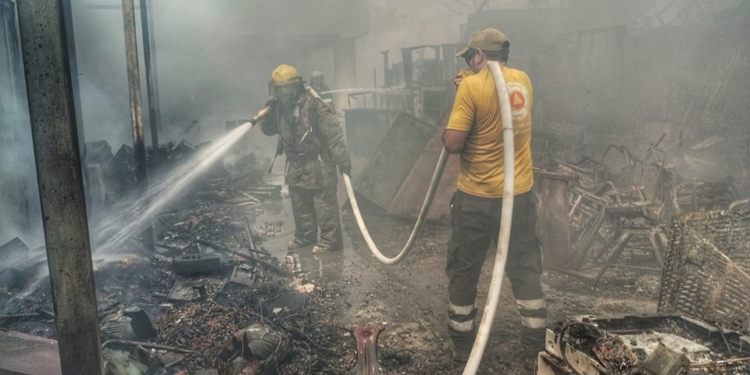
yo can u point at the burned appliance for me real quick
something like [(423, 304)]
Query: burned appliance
[(648, 345)]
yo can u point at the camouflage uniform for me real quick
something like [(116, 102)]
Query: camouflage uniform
[(313, 142)]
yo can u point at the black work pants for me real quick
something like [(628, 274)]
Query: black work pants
[(475, 222)]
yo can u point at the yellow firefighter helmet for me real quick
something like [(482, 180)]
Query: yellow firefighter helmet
[(284, 75)]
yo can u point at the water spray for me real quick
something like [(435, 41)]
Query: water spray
[(165, 191), (503, 240)]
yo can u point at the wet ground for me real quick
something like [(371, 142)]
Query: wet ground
[(410, 299)]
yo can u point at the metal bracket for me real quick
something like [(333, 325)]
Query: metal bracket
[(367, 349)]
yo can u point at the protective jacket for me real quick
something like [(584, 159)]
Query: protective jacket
[(313, 142)]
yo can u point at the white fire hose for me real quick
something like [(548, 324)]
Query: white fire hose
[(442, 161), (503, 238), (501, 256)]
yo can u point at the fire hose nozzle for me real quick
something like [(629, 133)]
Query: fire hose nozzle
[(258, 116)]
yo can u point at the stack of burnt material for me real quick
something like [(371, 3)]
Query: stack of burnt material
[(207, 298), (111, 177), (239, 180)]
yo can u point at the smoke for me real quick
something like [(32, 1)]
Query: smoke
[(396, 24), (19, 200), (214, 61), (612, 67)]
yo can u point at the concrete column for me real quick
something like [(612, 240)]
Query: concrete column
[(58, 164), (344, 60)]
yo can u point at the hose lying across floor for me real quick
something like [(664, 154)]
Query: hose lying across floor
[(505, 221), (442, 161)]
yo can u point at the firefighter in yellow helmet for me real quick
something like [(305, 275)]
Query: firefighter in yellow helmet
[(313, 141)]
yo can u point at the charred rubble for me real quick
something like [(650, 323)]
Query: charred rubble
[(208, 297)]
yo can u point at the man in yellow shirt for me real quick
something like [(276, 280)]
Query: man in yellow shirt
[(474, 132)]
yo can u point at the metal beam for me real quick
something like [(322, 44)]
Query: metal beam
[(136, 112), (58, 164), (152, 84)]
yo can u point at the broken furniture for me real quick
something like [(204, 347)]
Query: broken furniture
[(631, 222), (554, 191)]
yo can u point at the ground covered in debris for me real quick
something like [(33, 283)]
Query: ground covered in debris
[(333, 292), (412, 299), (219, 265)]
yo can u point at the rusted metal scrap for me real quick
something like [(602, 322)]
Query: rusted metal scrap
[(616, 356)]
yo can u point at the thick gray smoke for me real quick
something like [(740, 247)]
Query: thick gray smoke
[(19, 197), (214, 62), (635, 69)]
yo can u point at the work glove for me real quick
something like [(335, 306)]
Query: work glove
[(346, 169), (272, 101)]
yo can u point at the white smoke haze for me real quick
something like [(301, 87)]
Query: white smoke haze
[(214, 61)]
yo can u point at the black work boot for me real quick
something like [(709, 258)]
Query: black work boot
[(462, 343), (532, 341)]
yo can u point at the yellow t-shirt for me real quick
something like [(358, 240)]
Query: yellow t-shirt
[(476, 110)]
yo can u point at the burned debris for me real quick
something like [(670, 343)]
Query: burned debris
[(650, 345), (208, 296), (168, 244)]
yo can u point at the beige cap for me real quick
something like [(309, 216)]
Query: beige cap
[(488, 39)]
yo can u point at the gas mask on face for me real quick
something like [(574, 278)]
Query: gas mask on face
[(287, 93)]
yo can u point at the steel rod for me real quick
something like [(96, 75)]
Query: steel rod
[(136, 112), (58, 164)]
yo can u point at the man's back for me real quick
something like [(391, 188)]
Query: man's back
[(477, 111)]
